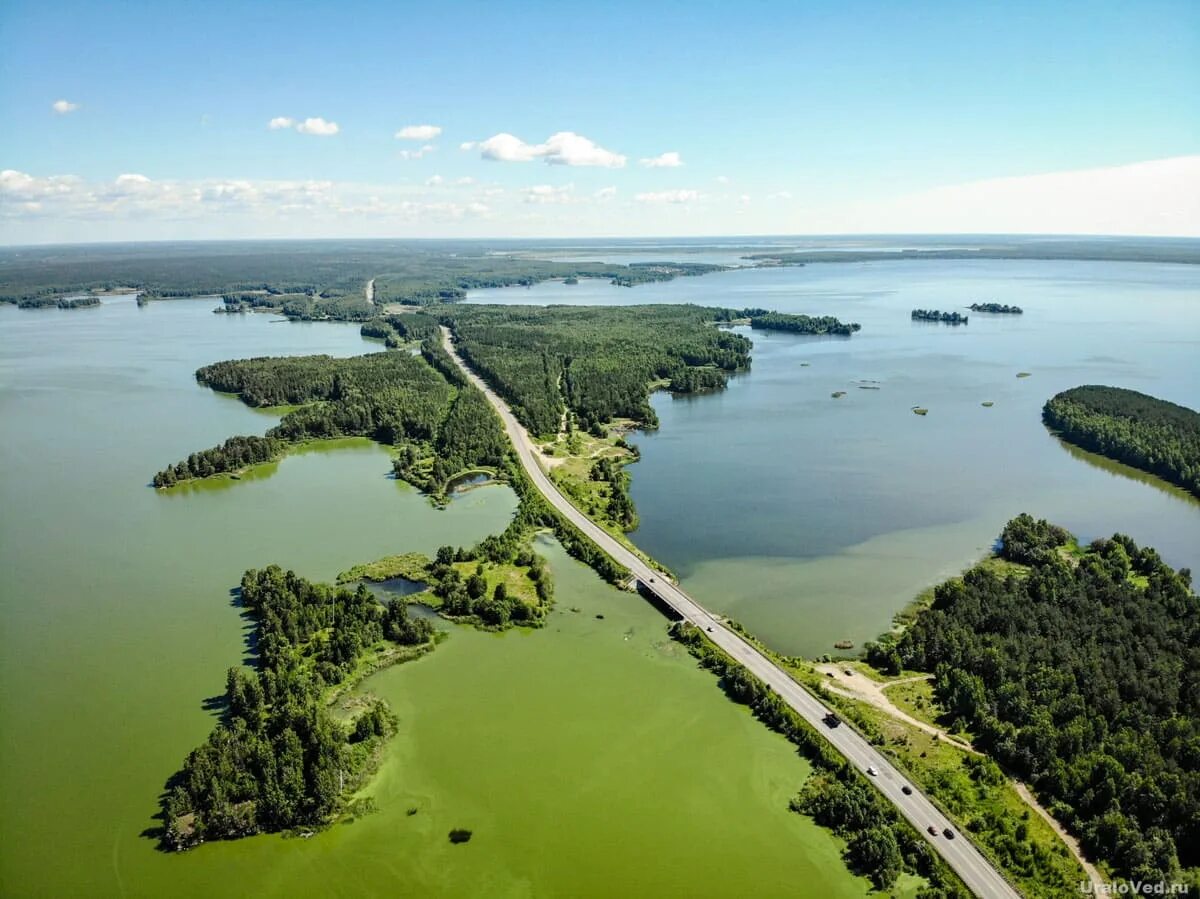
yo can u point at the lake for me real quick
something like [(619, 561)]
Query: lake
[(812, 519), (588, 757)]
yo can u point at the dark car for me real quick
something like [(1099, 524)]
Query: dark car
[(906, 790), (932, 830), (948, 833), (832, 720)]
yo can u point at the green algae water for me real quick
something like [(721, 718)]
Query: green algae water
[(588, 758)]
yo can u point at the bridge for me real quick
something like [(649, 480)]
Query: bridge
[(960, 854)]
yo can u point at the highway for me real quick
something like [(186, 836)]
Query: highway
[(959, 853)]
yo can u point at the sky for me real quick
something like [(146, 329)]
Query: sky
[(166, 120)]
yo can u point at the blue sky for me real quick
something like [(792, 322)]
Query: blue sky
[(786, 117)]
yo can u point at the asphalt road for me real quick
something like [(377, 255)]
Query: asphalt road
[(959, 853)]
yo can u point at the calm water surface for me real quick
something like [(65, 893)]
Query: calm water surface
[(813, 519), (587, 757)]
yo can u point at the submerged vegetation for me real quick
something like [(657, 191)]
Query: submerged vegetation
[(1130, 427), (1079, 671)]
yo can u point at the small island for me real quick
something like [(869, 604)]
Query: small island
[(1130, 427), (801, 324), (935, 315), (58, 302), (996, 309)]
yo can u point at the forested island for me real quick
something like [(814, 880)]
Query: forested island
[(279, 758), (761, 319), (1133, 428), (996, 309), (934, 315), (1078, 669)]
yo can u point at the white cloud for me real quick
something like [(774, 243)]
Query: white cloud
[(418, 153), (563, 148), (464, 180), (547, 193), (722, 179), (670, 160), (318, 126), (468, 145), (744, 199), (62, 107), (280, 122), (668, 196), (418, 132), (605, 193), (434, 180)]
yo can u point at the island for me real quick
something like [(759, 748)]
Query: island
[(934, 315), (800, 324), (996, 309), (1133, 428)]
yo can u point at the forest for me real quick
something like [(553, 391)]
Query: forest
[(801, 324), (438, 427), (935, 315), (599, 361), (278, 759), (996, 308), (1130, 427), (1079, 672), (308, 280)]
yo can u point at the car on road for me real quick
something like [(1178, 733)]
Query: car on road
[(848, 672), (831, 720), (906, 790), (872, 772), (948, 833), (710, 630), (932, 830)]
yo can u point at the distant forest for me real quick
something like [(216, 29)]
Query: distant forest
[(1079, 671), (303, 279), (1130, 427), (1176, 251)]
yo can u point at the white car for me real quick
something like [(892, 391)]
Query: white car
[(872, 772)]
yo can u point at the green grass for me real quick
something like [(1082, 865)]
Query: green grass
[(413, 566)]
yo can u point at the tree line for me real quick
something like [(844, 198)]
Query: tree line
[(1080, 674), (802, 324), (1130, 427), (278, 759)]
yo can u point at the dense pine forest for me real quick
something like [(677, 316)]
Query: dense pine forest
[(1130, 427), (1080, 673), (599, 361), (278, 759)]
